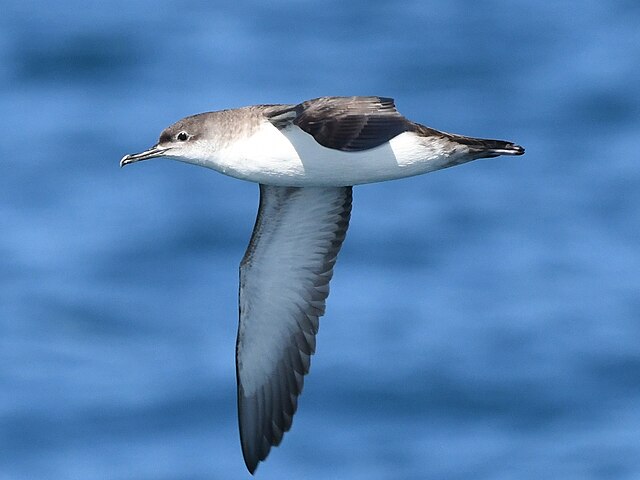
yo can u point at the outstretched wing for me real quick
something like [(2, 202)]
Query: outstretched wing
[(345, 123), (284, 282)]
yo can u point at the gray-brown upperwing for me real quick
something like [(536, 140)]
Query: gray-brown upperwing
[(345, 123), (284, 282)]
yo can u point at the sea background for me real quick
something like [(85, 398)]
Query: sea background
[(484, 321)]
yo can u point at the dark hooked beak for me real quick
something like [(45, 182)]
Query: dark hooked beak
[(155, 151)]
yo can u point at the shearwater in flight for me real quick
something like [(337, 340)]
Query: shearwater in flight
[(306, 158)]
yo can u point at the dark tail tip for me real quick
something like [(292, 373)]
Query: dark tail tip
[(482, 148), (508, 148)]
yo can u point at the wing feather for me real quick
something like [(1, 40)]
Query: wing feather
[(345, 123), (284, 282)]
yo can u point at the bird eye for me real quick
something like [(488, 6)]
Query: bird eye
[(182, 136)]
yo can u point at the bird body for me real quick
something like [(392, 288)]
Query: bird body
[(306, 158), (291, 157)]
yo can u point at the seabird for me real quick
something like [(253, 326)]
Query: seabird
[(306, 158)]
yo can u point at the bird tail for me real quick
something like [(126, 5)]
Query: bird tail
[(485, 148)]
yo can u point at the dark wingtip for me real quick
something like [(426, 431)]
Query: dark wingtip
[(252, 467), (251, 460), (250, 456)]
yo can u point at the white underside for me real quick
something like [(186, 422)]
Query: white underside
[(292, 157)]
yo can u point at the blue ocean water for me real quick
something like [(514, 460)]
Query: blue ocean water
[(484, 321)]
